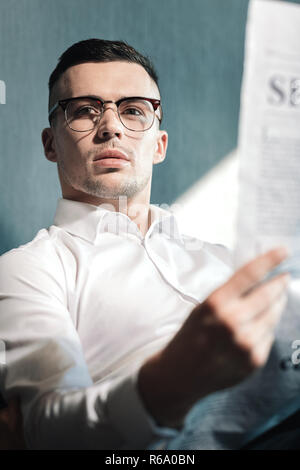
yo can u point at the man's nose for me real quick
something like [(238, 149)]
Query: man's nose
[(110, 124)]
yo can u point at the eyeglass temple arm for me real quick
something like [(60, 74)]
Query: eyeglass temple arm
[(52, 110)]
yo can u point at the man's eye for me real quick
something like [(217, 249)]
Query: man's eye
[(133, 111), (87, 110)]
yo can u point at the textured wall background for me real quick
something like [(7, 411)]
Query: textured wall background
[(197, 46)]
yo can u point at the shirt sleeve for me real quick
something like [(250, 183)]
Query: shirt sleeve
[(44, 365)]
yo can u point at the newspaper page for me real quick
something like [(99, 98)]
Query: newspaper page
[(269, 134)]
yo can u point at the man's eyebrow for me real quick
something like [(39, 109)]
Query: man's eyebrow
[(99, 97), (96, 97)]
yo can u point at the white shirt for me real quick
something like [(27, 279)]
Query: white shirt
[(82, 306)]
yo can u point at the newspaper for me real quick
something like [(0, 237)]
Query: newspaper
[(269, 135)]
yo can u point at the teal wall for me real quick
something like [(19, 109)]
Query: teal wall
[(197, 46)]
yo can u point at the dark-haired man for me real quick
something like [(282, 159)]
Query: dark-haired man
[(117, 324)]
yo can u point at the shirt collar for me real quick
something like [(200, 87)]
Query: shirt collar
[(88, 221)]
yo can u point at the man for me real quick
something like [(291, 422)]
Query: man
[(115, 323)]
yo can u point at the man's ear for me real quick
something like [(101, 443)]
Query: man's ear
[(161, 147), (49, 144)]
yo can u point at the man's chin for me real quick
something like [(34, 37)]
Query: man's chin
[(114, 185), (111, 191)]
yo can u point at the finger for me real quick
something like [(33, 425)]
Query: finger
[(252, 273), (261, 298), (263, 325), (262, 350)]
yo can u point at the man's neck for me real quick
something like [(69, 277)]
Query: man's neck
[(138, 212)]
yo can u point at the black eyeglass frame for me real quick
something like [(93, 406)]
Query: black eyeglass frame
[(63, 104)]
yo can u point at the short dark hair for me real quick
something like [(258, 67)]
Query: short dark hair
[(100, 50)]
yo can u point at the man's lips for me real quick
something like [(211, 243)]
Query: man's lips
[(111, 159), (111, 154)]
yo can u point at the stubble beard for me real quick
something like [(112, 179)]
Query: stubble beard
[(129, 187)]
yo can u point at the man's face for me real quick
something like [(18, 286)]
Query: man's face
[(83, 179)]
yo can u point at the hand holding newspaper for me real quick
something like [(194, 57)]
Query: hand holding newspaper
[(269, 135)]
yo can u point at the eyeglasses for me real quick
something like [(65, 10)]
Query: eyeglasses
[(83, 113)]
